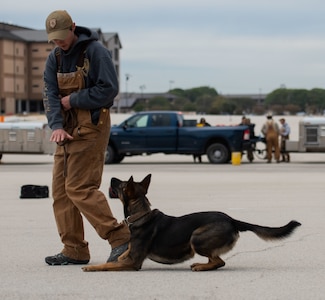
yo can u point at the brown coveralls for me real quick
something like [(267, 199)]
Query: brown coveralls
[(271, 132), (77, 175)]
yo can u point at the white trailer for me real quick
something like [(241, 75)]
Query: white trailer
[(311, 136), (25, 138)]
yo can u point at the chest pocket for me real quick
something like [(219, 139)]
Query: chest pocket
[(70, 82), (73, 81)]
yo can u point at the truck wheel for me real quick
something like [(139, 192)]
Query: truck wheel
[(218, 153), (110, 155), (119, 158)]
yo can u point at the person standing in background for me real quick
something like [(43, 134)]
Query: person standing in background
[(247, 121), (202, 123), (284, 135), (271, 132)]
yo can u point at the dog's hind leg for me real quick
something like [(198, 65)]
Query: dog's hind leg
[(212, 241), (214, 263)]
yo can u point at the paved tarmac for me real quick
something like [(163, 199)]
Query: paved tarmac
[(266, 194)]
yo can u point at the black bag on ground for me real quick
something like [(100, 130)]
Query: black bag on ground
[(34, 191)]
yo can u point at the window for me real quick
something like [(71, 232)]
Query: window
[(311, 135), (160, 120), (116, 54), (138, 121)]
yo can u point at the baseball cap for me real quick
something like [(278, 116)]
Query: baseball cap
[(58, 24)]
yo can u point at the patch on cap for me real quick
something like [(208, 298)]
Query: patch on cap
[(52, 23)]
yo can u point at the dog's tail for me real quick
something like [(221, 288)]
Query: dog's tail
[(268, 233)]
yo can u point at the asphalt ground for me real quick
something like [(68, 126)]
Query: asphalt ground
[(265, 194)]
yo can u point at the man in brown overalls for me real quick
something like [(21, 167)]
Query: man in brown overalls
[(271, 132), (80, 85)]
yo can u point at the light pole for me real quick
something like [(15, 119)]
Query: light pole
[(142, 87), (127, 77), (170, 84)]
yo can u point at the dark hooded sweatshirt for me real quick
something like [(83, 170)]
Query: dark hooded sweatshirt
[(101, 83)]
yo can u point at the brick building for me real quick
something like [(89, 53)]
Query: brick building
[(23, 52)]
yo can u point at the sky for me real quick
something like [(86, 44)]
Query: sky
[(234, 46)]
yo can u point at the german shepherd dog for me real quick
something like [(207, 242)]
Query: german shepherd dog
[(170, 240)]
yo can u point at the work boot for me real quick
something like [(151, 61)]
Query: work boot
[(61, 260), (117, 251)]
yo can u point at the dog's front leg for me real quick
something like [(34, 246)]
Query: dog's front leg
[(123, 264)]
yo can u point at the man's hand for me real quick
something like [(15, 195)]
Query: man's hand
[(60, 135), (65, 102)]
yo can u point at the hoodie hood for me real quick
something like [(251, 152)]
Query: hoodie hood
[(84, 35)]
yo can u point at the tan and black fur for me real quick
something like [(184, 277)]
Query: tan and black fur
[(170, 240)]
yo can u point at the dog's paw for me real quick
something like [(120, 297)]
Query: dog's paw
[(196, 267), (207, 267), (87, 269)]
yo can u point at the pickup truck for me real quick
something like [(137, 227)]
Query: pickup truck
[(168, 132)]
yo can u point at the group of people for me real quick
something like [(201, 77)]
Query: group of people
[(272, 131), (275, 137)]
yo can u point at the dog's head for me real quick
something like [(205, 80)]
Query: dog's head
[(131, 193)]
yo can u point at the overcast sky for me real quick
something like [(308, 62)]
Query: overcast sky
[(234, 46)]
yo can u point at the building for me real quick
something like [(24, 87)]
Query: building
[(23, 52), (127, 101)]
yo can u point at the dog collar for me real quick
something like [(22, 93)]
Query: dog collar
[(130, 220)]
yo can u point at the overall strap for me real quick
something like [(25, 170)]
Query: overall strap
[(81, 57), (58, 59)]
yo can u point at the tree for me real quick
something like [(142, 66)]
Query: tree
[(204, 103), (194, 93)]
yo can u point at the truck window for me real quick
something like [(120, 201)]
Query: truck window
[(138, 121), (160, 120)]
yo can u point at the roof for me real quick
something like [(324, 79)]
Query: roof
[(314, 121), (129, 99), (11, 32), (8, 35), (111, 35), (22, 125), (31, 35)]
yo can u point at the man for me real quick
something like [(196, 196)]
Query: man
[(202, 123), (80, 84), (251, 126), (270, 130), (284, 134)]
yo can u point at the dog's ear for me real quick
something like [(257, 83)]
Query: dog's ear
[(145, 182), (130, 186)]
